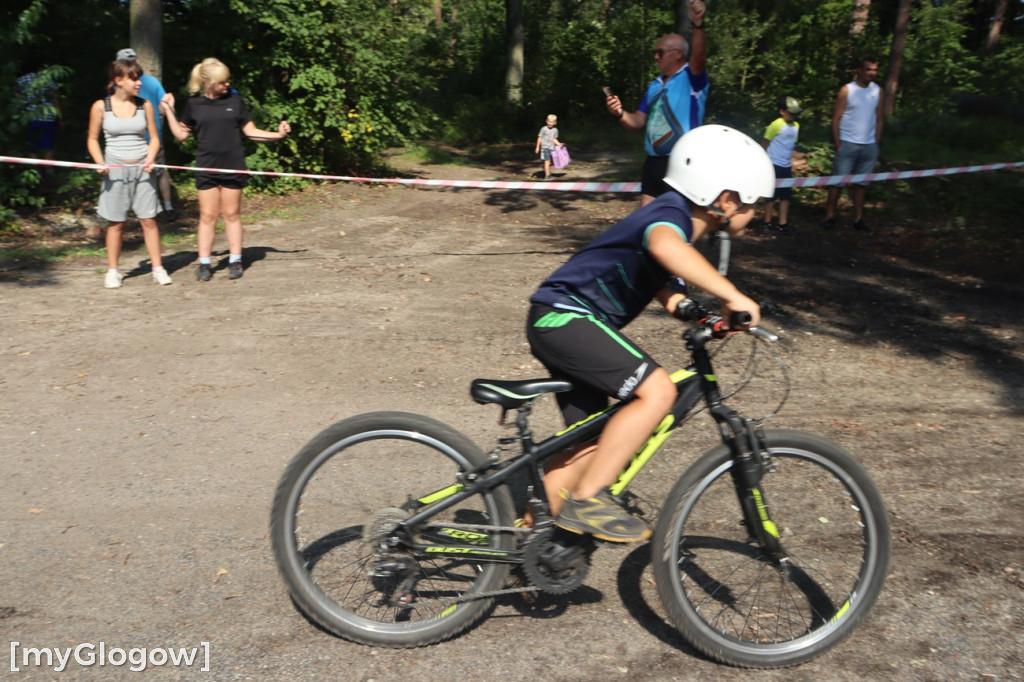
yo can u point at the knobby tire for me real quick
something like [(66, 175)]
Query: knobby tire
[(729, 600), (343, 491)]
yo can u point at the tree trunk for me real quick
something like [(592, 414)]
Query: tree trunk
[(514, 51), (995, 29), (683, 17), (899, 40), (861, 11), (146, 34)]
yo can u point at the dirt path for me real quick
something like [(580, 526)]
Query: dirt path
[(142, 432)]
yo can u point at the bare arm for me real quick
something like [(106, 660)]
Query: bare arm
[(154, 137), (880, 116), (177, 128), (837, 114), (254, 133), (670, 299), (93, 141), (629, 120), (682, 260), (698, 43)]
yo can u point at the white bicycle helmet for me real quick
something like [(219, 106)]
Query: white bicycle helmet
[(712, 159)]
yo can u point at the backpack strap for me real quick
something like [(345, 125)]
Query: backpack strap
[(140, 103), (106, 103)]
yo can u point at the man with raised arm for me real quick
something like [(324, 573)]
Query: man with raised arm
[(673, 104)]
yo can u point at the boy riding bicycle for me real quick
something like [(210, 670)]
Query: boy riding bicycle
[(573, 325)]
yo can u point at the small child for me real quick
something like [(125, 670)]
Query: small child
[(547, 139), (779, 140)]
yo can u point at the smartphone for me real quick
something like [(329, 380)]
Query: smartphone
[(607, 91)]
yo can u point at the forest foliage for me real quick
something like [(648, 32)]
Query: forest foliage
[(357, 76)]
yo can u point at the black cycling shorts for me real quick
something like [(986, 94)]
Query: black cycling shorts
[(600, 360), (653, 181)]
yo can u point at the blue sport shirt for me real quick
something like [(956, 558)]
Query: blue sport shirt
[(152, 90), (673, 107)]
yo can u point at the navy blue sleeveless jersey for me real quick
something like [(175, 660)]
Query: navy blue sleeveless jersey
[(614, 277)]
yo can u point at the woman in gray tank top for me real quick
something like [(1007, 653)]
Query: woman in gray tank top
[(130, 137)]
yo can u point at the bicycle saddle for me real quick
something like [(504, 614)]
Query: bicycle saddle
[(513, 394)]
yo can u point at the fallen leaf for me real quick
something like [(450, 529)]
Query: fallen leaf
[(35, 510)]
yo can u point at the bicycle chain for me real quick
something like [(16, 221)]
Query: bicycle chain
[(483, 595)]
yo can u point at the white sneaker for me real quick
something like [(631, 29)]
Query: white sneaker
[(112, 280), (161, 277)]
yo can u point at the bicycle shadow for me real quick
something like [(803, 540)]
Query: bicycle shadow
[(629, 579), (544, 606)]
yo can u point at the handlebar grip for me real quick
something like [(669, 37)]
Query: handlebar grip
[(740, 319)]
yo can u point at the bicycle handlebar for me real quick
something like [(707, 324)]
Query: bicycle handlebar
[(690, 310)]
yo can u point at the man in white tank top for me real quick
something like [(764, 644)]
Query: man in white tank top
[(856, 131)]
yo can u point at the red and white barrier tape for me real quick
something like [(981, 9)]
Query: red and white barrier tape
[(893, 175), (819, 181)]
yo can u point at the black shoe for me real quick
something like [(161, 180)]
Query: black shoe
[(204, 273), (860, 226), (780, 229), (170, 215), (829, 224), (235, 269), (601, 517)]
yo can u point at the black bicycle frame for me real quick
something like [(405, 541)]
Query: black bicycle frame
[(694, 383)]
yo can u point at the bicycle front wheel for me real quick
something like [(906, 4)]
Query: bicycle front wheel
[(735, 604), (333, 514)]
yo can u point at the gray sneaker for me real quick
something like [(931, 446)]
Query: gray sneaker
[(204, 273), (235, 270), (601, 517)]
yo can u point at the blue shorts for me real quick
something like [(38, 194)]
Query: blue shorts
[(855, 159), (599, 360), (781, 173), (545, 154)]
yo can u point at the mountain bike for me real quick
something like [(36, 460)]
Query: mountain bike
[(394, 529)]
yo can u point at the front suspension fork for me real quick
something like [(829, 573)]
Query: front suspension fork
[(748, 453)]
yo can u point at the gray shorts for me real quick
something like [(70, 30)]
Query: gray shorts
[(125, 189), (545, 154), (855, 159)]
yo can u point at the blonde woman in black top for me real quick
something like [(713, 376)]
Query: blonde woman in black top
[(218, 117)]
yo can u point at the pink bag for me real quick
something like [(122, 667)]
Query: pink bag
[(560, 157)]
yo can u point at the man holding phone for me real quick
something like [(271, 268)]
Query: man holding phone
[(673, 104)]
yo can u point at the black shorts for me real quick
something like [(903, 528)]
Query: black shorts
[(599, 360), (782, 172), (229, 180), (653, 181)]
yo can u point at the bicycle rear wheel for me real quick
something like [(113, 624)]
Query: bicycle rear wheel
[(732, 602), (338, 502)]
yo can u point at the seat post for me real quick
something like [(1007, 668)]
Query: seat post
[(522, 424)]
